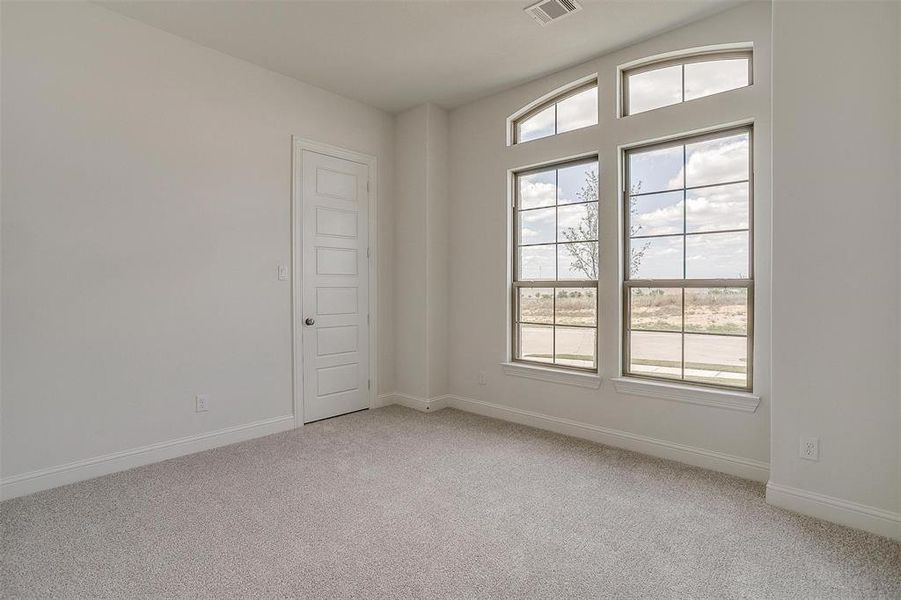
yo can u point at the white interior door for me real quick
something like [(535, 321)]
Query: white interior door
[(334, 312)]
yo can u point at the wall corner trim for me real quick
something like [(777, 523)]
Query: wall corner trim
[(414, 402), (829, 508), (45, 479)]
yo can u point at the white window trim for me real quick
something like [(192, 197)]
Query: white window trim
[(552, 374), (680, 392), (737, 400)]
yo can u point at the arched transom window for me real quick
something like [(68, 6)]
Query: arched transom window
[(573, 109)]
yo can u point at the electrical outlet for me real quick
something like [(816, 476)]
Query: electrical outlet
[(810, 448), (483, 378), (201, 403), (282, 273)]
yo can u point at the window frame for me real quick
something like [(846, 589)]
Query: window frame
[(553, 101), (516, 283), (628, 284), (695, 57)]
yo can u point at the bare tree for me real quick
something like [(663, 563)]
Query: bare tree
[(585, 255)]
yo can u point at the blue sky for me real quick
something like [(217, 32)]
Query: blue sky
[(705, 210)]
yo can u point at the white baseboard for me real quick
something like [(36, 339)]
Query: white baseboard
[(844, 512), (836, 510), (829, 508), (709, 459), (44, 479), (414, 402)]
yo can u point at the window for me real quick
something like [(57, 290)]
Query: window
[(573, 110), (689, 288), (671, 82), (555, 270)]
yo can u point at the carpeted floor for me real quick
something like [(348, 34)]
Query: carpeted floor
[(393, 503)]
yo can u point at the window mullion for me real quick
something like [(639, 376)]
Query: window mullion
[(682, 335), (554, 327)]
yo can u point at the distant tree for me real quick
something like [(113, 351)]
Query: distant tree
[(585, 256)]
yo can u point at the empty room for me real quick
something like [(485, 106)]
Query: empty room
[(450, 299)]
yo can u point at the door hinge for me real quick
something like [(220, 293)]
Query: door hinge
[(367, 185), (367, 252), (368, 384), (367, 319)]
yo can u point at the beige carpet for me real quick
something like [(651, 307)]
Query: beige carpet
[(396, 504)]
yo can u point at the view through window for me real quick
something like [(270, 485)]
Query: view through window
[(688, 287), (570, 111), (671, 82), (556, 265)]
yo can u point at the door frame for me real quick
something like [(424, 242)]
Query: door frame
[(298, 145)]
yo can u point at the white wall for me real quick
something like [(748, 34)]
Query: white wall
[(835, 250), (479, 160), (421, 252), (146, 200)]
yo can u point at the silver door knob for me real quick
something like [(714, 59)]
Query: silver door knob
[(310, 321)]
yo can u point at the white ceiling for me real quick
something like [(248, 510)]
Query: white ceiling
[(398, 54)]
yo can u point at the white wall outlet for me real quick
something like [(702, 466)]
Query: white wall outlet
[(201, 403), (283, 273), (810, 448), (483, 378)]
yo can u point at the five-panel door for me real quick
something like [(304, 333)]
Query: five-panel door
[(334, 320)]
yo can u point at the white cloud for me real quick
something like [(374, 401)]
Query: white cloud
[(666, 219), (708, 209), (653, 89), (537, 226), (538, 125), (578, 111), (715, 161), (528, 234), (717, 208), (533, 194), (711, 77)]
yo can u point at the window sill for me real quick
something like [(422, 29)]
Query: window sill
[(585, 380), (741, 401)]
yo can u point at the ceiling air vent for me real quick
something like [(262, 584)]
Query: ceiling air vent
[(548, 11)]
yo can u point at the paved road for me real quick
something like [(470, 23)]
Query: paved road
[(714, 350)]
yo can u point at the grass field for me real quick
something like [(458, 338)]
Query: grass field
[(707, 310)]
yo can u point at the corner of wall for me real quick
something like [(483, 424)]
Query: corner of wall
[(421, 251)]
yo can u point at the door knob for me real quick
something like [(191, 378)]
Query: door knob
[(310, 321)]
